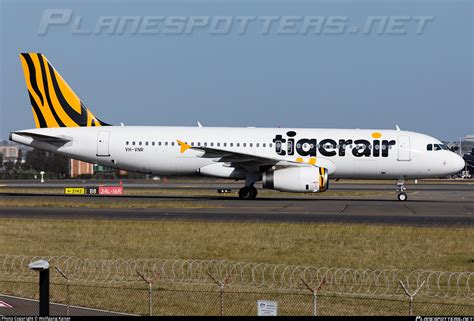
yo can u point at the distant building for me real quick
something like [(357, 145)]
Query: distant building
[(78, 168), (10, 153)]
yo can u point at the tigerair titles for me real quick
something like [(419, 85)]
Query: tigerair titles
[(310, 147)]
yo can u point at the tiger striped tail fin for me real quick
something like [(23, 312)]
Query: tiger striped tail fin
[(53, 102)]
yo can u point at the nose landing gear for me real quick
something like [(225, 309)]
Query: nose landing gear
[(401, 189)]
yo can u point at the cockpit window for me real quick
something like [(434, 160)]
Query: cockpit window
[(431, 147)]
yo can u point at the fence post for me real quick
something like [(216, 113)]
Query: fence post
[(42, 266), (315, 293), (149, 282), (67, 288), (411, 295), (221, 285)]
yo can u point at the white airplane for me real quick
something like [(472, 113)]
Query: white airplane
[(285, 159)]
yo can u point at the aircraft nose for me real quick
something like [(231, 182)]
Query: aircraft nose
[(458, 163)]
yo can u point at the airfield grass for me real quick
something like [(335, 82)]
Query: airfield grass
[(331, 245), (103, 203)]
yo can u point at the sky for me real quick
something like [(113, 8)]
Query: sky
[(334, 78)]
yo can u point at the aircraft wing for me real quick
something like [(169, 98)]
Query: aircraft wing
[(238, 159)]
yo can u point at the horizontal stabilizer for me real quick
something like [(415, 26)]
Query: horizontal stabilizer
[(43, 137)]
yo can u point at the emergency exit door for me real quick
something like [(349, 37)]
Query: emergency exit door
[(103, 143), (404, 148)]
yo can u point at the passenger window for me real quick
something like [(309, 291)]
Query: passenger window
[(225, 144), (159, 143), (231, 144), (140, 143), (271, 145), (251, 144), (133, 143), (218, 144), (126, 143), (172, 143), (257, 145), (205, 144), (146, 143), (238, 144), (264, 145), (244, 144), (153, 143), (212, 144), (166, 143)]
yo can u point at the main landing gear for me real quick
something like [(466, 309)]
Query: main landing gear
[(401, 189), (248, 193)]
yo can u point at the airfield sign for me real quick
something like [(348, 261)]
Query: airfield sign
[(267, 308)]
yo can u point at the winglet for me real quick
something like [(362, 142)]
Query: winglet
[(184, 146), (398, 128)]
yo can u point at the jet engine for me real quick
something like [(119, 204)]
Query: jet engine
[(297, 179)]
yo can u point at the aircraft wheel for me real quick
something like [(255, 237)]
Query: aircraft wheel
[(254, 192), (402, 197), (247, 193)]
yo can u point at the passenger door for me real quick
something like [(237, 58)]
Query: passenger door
[(404, 148), (103, 143)]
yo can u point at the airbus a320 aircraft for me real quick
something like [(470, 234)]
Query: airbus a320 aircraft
[(285, 159)]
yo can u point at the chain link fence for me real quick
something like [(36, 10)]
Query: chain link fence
[(199, 287)]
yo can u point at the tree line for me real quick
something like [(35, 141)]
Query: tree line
[(37, 160)]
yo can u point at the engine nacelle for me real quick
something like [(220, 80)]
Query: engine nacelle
[(297, 179)]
